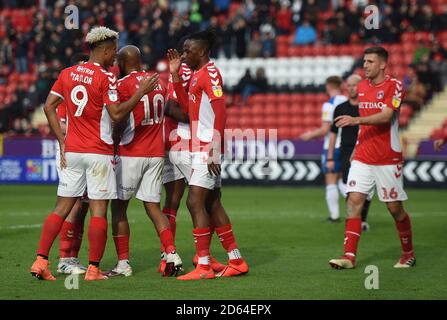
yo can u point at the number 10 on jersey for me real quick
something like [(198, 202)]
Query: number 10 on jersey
[(157, 117)]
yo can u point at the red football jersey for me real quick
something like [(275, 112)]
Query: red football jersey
[(207, 112), (177, 132), (86, 90), (379, 145), (143, 136)]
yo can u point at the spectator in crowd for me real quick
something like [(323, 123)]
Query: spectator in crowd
[(305, 34), (21, 53), (268, 45), (239, 29), (342, 33), (248, 85), (255, 46), (311, 11), (284, 18), (6, 54), (416, 92), (438, 57)]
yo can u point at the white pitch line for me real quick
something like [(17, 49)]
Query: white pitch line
[(22, 226)]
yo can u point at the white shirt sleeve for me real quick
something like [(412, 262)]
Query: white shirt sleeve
[(327, 112)]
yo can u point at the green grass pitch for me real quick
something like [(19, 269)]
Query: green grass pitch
[(281, 233)]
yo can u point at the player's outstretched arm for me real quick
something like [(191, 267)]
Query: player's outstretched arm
[(377, 119), (118, 112), (50, 112), (317, 133), (173, 110)]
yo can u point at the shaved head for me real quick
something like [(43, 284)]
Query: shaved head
[(354, 79), (351, 83), (129, 59)]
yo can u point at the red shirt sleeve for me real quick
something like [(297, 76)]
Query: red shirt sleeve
[(395, 95), (109, 89), (57, 88), (123, 92), (212, 86)]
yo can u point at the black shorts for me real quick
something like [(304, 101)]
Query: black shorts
[(345, 164)]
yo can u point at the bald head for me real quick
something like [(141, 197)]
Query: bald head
[(129, 59), (354, 78), (351, 84)]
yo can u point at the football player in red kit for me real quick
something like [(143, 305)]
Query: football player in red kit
[(207, 114), (377, 160), (140, 164)]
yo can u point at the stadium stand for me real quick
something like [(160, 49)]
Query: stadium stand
[(34, 46)]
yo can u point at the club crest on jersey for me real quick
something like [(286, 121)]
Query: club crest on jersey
[(352, 183), (113, 95), (194, 82), (380, 94), (217, 90)]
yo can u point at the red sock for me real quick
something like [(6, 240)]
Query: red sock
[(50, 230), (167, 240), (77, 238), (171, 214), (97, 237), (405, 234), (212, 230), (122, 246), (66, 237), (353, 230), (202, 238), (226, 237)]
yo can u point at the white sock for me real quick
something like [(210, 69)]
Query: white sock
[(332, 200), (342, 188), (204, 260), (234, 254), (123, 263)]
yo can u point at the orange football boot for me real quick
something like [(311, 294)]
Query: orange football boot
[(40, 269), (201, 272), (233, 270), (94, 273)]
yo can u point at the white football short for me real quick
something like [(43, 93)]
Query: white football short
[(177, 166), (84, 197), (200, 175), (87, 170), (139, 176), (387, 179)]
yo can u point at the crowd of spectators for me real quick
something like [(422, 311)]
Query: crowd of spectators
[(35, 40)]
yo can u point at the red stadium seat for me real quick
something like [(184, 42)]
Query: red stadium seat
[(284, 109), (270, 109), (297, 132), (283, 98)]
